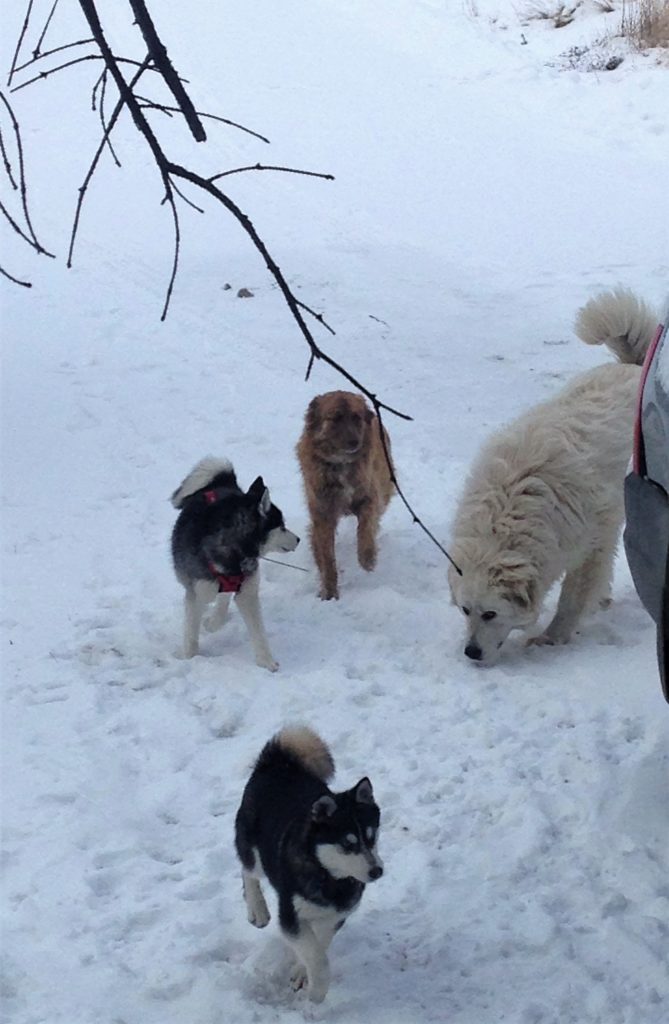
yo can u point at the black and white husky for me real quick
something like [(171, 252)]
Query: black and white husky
[(217, 540), (316, 848)]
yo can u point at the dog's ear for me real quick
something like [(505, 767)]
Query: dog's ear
[(323, 808), (312, 419), (259, 493), (363, 792)]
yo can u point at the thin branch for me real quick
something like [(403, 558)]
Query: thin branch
[(22, 179), (316, 316), (266, 167), (24, 29), (169, 198), (36, 51), (70, 63), (103, 90), (98, 153), (150, 104), (186, 199), (6, 162), (15, 280), (17, 227), (163, 64), (417, 520), (48, 53), (94, 92)]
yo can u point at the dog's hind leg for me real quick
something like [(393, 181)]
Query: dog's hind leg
[(197, 597), (249, 607), (219, 614)]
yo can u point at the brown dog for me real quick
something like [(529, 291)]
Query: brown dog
[(345, 474)]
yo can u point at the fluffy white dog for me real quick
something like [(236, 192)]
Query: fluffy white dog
[(544, 498)]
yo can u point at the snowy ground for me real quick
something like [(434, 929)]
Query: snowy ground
[(481, 195)]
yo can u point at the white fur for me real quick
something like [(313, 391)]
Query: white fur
[(199, 476), (545, 498), (341, 864)]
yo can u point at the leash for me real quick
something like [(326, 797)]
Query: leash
[(288, 565)]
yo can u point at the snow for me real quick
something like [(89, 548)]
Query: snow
[(482, 192)]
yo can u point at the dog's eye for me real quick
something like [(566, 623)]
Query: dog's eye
[(487, 616), (466, 611)]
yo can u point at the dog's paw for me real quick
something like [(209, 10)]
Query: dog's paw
[(298, 977), (367, 559), (259, 917), (213, 624), (329, 593), (268, 662), (543, 640)]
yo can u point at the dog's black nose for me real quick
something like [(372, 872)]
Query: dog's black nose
[(375, 873), (474, 652)]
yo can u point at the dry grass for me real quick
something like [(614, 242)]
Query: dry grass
[(646, 23), (559, 13)]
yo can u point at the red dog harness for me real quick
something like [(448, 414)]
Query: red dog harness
[(226, 584)]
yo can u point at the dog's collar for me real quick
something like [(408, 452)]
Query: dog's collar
[(227, 584)]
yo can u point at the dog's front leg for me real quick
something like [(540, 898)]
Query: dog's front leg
[(323, 529), (249, 607), (312, 960), (368, 526), (197, 597)]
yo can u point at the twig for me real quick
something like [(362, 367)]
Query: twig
[(98, 153), (163, 64), (266, 167), (316, 316), (186, 199), (24, 29), (49, 53), (6, 162), (150, 104), (15, 280), (416, 519), (70, 64), (36, 51), (103, 90), (22, 180)]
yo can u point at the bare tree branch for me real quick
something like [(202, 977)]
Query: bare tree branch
[(98, 153), (103, 90), (38, 48), (266, 167), (71, 63), (22, 181), (150, 104), (49, 53), (15, 280), (163, 64), (24, 29), (6, 162)]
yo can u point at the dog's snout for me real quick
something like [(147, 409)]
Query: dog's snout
[(474, 652), (375, 872)]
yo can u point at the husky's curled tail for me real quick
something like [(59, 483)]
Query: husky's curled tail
[(203, 474), (619, 320), (301, 744)]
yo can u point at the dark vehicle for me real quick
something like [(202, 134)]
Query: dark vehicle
[(647, 495)]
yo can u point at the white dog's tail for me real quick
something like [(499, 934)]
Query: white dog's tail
[(307, 747), (619, 320), (200, 475)]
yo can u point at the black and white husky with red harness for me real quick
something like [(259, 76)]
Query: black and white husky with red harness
[(217, 540), (315, 847)]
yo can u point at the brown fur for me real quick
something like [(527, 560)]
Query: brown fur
[(345, 473)]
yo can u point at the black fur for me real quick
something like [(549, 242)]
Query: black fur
[(282, 817), (228, 533)]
